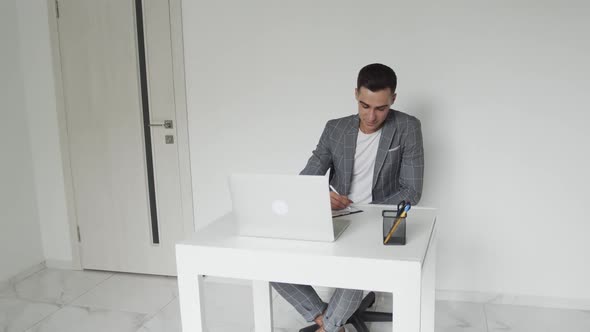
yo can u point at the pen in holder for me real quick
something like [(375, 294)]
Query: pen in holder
[(399, 235)]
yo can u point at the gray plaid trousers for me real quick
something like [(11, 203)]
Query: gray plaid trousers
[(306, 301)]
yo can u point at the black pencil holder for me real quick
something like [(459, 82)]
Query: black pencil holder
[(399, 236)]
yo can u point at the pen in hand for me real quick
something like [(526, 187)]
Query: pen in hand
[(334, 190), (337, 201)]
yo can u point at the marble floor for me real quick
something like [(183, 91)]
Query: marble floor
[(89, 301)]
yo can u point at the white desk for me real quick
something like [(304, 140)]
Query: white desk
[(408, 272)]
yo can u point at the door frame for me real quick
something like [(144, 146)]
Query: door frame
[(181, 124)]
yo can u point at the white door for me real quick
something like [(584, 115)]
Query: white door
[(121, 84)]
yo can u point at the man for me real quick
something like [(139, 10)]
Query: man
[(375, 156)]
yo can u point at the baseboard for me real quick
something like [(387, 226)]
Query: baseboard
[(522, 300), (61, 264), (22, 275)]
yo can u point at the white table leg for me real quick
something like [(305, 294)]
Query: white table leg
[(262, 296), (406, 307), (190, 293), (428, 290)]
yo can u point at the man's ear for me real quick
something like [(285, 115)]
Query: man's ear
[(356, 94), (393, 96)]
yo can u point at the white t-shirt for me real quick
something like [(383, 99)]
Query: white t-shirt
[(364, 166)]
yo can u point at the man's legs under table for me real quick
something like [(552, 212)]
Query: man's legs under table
[(307, 302)]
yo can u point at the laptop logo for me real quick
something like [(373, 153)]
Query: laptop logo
[(280, 207)]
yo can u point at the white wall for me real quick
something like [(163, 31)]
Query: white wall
[(20, 239), (40, 105), (501, 89)]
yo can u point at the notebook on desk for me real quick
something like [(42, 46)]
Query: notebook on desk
[(346, 211), (284, 206)]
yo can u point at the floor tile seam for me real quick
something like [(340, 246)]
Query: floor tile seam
[(44, 318), (89, 290), (149, 317), (88, 307), (34, 301), (139, 326), (13, 283)]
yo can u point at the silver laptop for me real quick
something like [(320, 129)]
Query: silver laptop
[(284, 206)]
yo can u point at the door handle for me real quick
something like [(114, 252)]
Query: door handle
[(167, 124)]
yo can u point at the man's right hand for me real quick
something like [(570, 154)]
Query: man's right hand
[(339, 202)]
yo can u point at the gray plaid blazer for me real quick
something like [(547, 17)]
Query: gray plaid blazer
[(399, 167)]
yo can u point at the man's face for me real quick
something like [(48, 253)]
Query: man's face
[(373, 108)]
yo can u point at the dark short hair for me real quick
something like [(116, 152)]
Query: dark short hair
[(377, 77)]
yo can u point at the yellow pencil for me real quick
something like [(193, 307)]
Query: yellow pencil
[(394, 226)]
